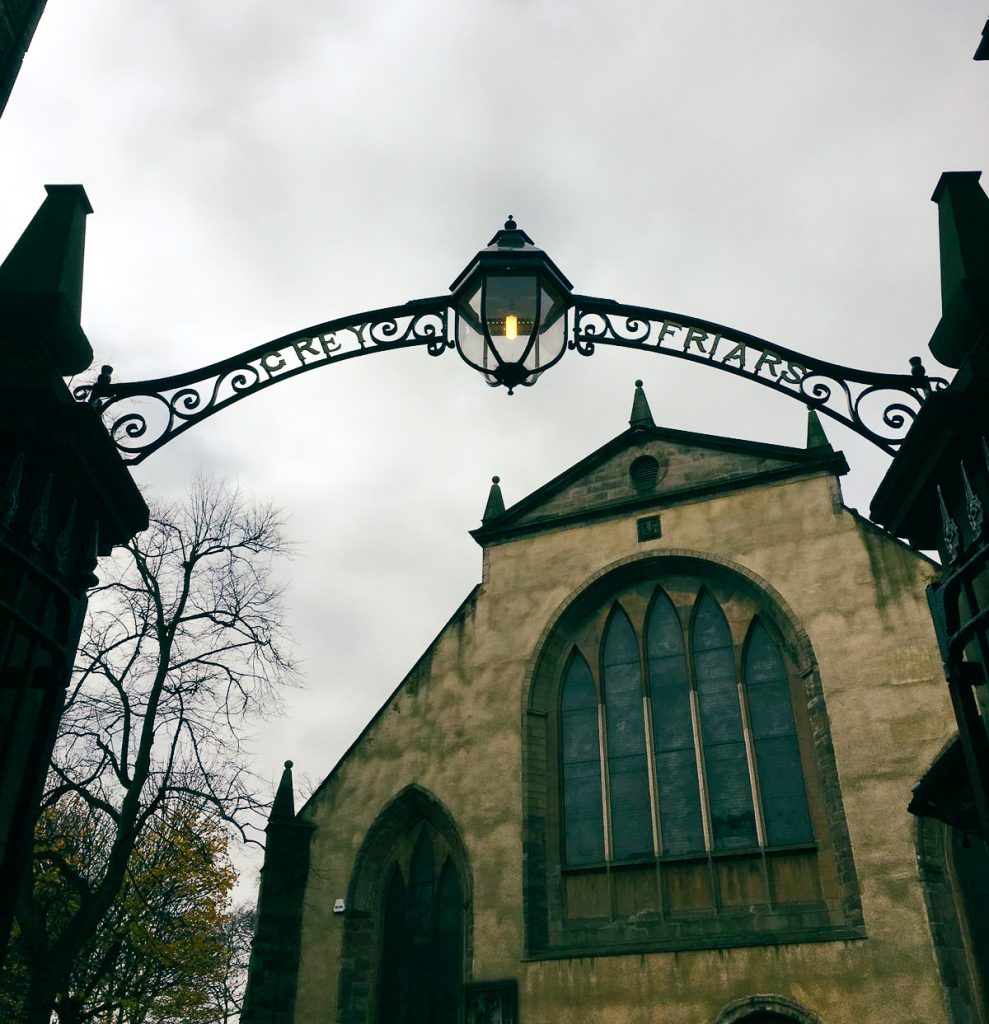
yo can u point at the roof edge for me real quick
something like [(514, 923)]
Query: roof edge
[(823, 464), (388, 700)]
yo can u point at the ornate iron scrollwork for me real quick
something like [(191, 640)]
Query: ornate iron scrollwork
[(879, 406), (144, 415)]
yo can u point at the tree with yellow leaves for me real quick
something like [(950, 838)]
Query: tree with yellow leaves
[(165, 949)]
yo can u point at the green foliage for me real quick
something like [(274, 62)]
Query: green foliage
[(163, 953)]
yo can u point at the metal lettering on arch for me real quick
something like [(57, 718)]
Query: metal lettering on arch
[(881, 407), (144, 415), (511, 315)]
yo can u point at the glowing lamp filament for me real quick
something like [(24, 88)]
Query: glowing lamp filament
[(511, 326)]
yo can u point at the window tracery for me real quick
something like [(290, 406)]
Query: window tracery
[(678, 795), (725, 772)]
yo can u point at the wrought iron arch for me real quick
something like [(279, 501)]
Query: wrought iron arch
[(142, 416)]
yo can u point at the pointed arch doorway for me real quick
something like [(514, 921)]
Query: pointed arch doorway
[(420, 971), (408, 931)]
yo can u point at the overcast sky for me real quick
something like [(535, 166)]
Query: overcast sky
[(258, 167)]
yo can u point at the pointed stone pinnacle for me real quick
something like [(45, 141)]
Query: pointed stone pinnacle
[(496, 503), (283, 808), (641, 413), (816, 438)]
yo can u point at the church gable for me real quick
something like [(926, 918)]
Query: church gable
[(650, 466)]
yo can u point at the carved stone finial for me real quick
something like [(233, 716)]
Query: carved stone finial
[(39, 517), (11, 498), (972, 505), (102, 386), (919, 373), (951, 536), (496, 503), (63, 542)]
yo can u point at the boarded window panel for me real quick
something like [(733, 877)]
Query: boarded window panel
[(781, 779), (726, 766), (588, 894), (635, 890), (579, 740), (687, 887), (673, 732), (631, 816), (741, 882)]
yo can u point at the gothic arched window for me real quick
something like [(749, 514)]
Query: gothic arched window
[(688, 782), (724, 777)]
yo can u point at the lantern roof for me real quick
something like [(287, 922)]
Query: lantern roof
[(511, 250)]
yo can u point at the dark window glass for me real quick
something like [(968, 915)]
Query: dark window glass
[(421, 905), (422, 944), (420, 981), (774, 734), (729, 792), (446, 964), (579, 740), (393, 953), (628, 771), (673, 732)]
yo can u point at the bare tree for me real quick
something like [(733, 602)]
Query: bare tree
[(183, 649), (227, 996)]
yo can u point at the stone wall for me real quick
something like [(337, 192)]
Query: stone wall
[(454, 729)]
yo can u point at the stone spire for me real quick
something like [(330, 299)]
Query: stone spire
[(283, 809), (641, 413), (963, 228), (41, 281), (496, 503), (816, 438), (272, 977)]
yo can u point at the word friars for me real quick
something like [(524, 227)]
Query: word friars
[(701, 345)]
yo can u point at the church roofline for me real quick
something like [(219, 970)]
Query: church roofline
[(345, 756), (802, 462)]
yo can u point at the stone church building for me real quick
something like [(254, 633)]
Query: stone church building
[(654, 770)]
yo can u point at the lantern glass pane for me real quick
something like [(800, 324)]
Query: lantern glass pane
[(510, 309), (552, 335), (470, 333)]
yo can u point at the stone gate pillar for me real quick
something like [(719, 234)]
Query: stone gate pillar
[(65, 498)]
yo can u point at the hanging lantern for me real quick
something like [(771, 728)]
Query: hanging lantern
[(511, 307)]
